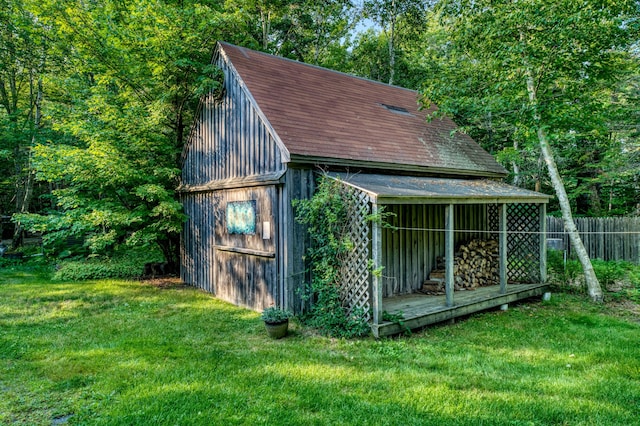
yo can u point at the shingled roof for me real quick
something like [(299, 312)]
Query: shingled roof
[(328, 117)]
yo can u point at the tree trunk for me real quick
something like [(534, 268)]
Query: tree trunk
[(515, 166), (266, 28), (593, 285), (392, 50), (170, 248), (24, 195), (23, 203)]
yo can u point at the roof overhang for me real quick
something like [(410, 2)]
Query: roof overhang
[(392, 189), (392, 167), (234, 183)]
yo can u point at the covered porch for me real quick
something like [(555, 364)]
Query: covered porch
[(419, 310), (429, 218)]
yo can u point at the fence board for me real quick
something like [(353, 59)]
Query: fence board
[(609, 238)]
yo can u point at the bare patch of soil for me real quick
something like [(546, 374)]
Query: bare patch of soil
[(167, 282), (625, 308)]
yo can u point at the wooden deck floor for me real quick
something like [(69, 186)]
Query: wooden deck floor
[(420, 309)]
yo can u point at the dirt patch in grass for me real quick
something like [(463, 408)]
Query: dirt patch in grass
[(625, 308), (168, 282)]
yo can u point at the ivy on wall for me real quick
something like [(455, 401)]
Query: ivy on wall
[(326, 215)]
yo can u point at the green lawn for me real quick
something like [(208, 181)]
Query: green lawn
[(125, 352)]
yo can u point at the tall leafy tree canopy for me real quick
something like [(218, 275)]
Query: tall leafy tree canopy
[(580, 56), (125, 99), (549, 70), (122, 98), (96, 97)]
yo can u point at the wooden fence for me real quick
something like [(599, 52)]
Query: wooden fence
[(607, 238)]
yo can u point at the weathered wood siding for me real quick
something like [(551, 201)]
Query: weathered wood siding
[(409, 252), (229, 143), (299, 185), (239, 268), (229, 138), (610, 238), (198, 240), (246, 264)]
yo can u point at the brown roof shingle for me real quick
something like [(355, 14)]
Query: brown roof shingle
[(320, 114)]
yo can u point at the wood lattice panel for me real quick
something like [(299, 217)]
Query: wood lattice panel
[(523, 240), (523, 243), (493, 220), (354, 275)]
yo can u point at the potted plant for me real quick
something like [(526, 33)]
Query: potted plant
[(276, 321)]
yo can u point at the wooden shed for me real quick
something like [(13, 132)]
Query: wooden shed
[(258, 143)]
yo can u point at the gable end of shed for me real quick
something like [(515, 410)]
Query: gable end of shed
[(230, 138)]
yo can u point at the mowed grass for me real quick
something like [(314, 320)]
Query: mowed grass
[(129, 353)]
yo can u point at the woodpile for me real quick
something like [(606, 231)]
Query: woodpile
[(475, 264)]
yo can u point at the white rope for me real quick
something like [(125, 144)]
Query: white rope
[(480, 231)]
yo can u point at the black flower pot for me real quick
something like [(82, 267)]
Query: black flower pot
[(277, 330)]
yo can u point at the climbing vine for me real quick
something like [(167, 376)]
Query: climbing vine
[(327, 216)]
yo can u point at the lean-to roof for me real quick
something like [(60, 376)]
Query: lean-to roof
[(385, 189)]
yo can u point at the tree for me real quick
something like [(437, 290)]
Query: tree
[(304, 30), (124, 101), (548, 68), (22, 65), (311, 29), (389, 14), (124, 95)]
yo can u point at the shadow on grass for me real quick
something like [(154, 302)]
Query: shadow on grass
[(117, 352)]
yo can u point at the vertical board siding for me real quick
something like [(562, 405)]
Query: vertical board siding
[(248, 280), (409, 252), (229, 138), (299, 185), (240, 278), (610, 238), (197, 240), (245, 280)]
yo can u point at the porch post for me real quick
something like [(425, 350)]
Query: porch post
[(543, 242), (502, 240), (448, 252), (376, 257)]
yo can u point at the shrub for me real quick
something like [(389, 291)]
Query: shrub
[(326, 215), (608, 272), (621, 279), (125, 264), (273, 315), (564, 274)]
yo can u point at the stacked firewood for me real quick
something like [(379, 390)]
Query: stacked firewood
[(475, 264)]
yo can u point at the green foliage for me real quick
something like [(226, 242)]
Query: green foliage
[(567, 275), (23, 64), (581, 58), (123, 101), (397, 318), (122, 87), (633, 293), (608, 272), (384, 55), (79, 270), (620, 279), (326, 215), (274, 315), (307, 30), (6, 262), (123, 264)]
